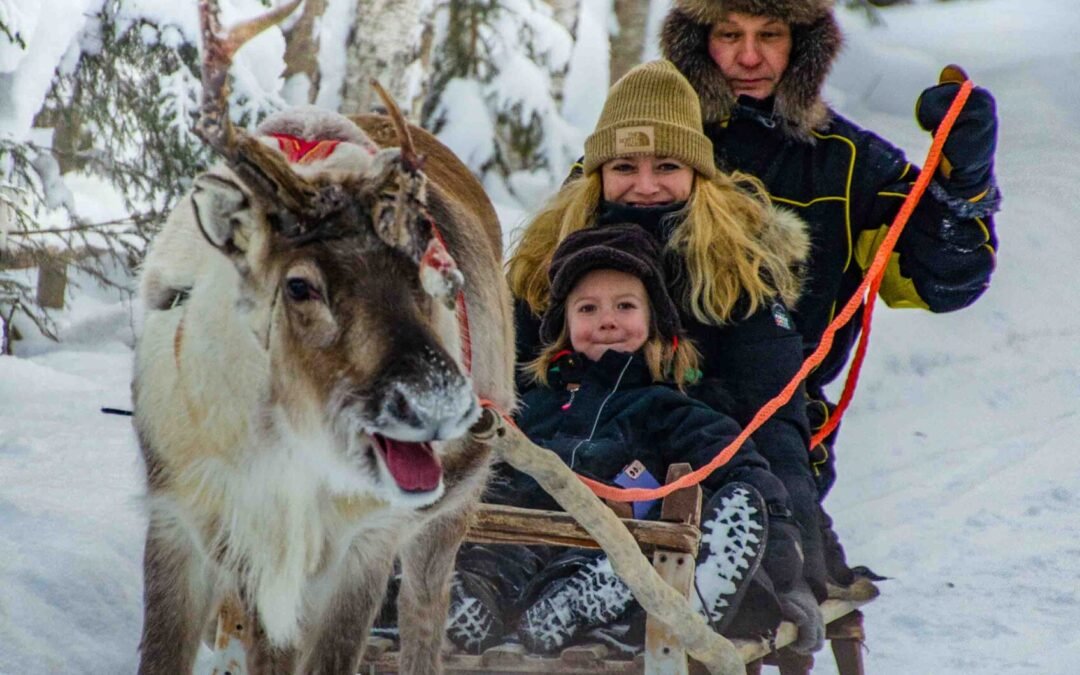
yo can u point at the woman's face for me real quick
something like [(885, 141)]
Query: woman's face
[(606, 310), (646, 181)]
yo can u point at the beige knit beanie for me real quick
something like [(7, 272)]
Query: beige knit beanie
[(652, 110)]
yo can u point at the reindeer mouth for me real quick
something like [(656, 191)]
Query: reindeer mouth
[(414, 466)]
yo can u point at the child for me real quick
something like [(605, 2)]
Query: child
[(611, 376)]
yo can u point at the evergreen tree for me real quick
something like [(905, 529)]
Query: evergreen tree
[(123, 113)]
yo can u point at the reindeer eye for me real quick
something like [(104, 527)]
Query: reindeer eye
[(300, 290)]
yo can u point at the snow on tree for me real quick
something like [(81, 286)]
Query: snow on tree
[(102, 95), (493, 98), (98, 97), (390, 39)]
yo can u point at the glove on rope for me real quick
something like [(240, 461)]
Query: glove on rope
[(967, 164)]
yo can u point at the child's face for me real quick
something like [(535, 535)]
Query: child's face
[(607, 309)]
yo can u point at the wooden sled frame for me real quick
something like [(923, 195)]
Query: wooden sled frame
[(672, 544)]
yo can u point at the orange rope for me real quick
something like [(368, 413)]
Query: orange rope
[(876, 273), (871, 281)]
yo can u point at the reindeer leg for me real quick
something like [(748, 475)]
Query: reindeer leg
[(426, 565), (176, 602), (346, 620), (267, 659)]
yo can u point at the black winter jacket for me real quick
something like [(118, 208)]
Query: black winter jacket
[(848, 186), (616, 415)]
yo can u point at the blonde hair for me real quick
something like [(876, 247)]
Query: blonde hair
[(721, 241), (571, 209), (666, 362), (720, 238)]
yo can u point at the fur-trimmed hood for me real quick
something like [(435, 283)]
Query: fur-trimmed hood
[(786, 234), (816, 41)]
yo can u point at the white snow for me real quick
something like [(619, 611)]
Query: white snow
[(958, 469)]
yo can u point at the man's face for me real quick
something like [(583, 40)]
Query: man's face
[(751, 52)]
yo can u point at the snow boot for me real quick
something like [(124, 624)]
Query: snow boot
[(475, 620), (590, 596), (735, 529), (624, 637)]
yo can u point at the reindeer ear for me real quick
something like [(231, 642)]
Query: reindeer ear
[(400, 207), (223, 213)]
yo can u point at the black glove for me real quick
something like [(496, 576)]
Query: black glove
[(800, 607), (968, 155)]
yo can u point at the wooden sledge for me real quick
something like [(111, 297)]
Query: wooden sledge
[(672, 545)]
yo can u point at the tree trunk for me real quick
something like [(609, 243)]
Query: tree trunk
[(566, 13), (628, 46), (302, 47), (390, 41)]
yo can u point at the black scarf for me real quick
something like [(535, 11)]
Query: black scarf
[(659, 221)]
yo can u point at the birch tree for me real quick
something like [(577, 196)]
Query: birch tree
[(390, 40), (302, 52), (566, 13), (628, 42)]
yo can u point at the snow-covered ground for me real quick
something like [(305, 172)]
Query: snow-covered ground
[(958, 470)]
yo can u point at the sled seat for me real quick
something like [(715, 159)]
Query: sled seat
[(672, 542)]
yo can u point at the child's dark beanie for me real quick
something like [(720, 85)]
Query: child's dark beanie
[(623, 247)]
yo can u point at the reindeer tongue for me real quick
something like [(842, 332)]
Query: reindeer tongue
[(413, 465)]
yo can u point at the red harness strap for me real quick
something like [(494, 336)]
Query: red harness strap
[(304, 150), (867, 289), (871, 282), (462, 309)]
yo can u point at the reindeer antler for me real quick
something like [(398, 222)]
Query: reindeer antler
[(409, 158), (261, 168)]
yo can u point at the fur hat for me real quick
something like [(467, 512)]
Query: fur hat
[(651, 110), (816, 41), (791, 11), (623, 247)]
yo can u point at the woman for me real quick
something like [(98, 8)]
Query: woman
[(733, 267)]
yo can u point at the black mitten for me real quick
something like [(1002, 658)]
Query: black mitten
[(968, 154)]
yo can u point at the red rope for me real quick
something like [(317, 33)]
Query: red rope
[(871, 281), (460, 307)]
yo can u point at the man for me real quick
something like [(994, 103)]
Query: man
[(759, 67)]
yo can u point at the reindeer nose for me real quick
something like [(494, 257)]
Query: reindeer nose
[(428, 411)]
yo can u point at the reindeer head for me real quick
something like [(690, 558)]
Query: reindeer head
[(331, 237)]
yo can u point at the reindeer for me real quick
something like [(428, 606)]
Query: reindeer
[(303, 386)]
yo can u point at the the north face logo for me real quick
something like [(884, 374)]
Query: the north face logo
[(781, 317), (635, 139)]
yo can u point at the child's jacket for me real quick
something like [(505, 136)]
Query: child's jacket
[(616, 415)]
